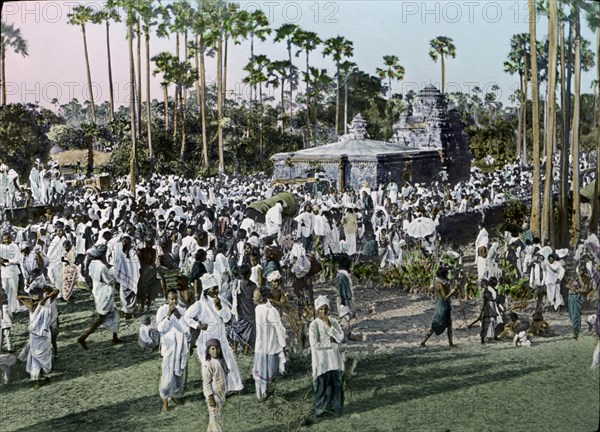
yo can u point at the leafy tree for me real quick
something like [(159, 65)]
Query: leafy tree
[(392, 70), (338, 48), (80, 16), (23, 134), (10, 37), (442, 47)]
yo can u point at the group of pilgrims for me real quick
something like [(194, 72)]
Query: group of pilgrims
[(218, 282)]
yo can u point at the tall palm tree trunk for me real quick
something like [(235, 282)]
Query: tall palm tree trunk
[(183, 100), (443, 72), (576, 215), (534, 223), (148, 114), (176, 97), (291, 80), (138, 85), (547, 206), (219, 102), (202, 102), (225, 45), (525, 80), (337, 100), (111, 111), (346, 105), (520, 120), (166, 105), (596, 203), (308, 124), (89, 75), (132, 116), (3, 71), (563, 232)]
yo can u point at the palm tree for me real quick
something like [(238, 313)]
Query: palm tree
[(201, 28), (576, 215), (286, 33), (257, 25), (392, 70), (518, 60), (10, 37), (278, 72), (593, 19), (162, 62), (80, 16), (512, 67), (338, 48), (179, 22), (442, 47), (594, 87), (347, 68), (319, 83), (106, 15), (547, 207), (307, 42), (148, 16), (535, 192), (130, 19)]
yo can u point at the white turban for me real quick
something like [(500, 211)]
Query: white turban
[(208, 281), (274, 276), (320, 301)]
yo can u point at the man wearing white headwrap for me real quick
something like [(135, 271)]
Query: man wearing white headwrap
[(55, 254), (553, 275), (350, 225), (269, 358), (174, 335), (127, 274), (10, 258), (274, 219), (209, 314), (34, 182), (103, 289), (325, 334)]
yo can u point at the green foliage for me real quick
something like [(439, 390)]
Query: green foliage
[(67, 137), (417, 272), (497, 141), (589, 141), (511, 284), (367, 274), (515, 212), (23, 136)]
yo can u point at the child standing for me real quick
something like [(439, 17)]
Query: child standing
[(214, 380)]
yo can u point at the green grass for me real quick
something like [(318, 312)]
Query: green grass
[(548, 387)]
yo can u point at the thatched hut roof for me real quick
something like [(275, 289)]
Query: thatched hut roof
[(71, 157)]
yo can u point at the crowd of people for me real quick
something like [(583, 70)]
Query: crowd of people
[(221, 283)]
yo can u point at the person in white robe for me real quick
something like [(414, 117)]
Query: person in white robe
[(553, 275), (127, 274), (269, 358), (34, 182), (10, 258), (174, 336), (274, 219), (209, 314), (103, 290), (55, 254), (39, 345), (222, 272), (325, 333)]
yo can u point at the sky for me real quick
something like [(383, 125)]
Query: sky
[(481, 31)]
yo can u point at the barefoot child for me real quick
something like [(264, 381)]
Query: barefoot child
[(214, 382)]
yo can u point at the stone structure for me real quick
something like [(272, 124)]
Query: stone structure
[(429, 125), (356, 159)]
